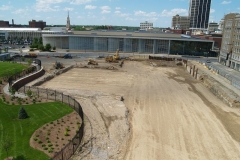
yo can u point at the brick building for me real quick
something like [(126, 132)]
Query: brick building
[(37, 24), (4, 24)]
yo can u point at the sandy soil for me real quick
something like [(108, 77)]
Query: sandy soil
[(171, 115)]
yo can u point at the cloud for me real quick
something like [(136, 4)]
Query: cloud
[(24, 11), (68, 9), (4, 8), (120, 14), (117, 8), (226, 2), (142, 13), (212, 10), (130, 19), (45, 5), (105, 9), (79, 2), (173, 12), (90, 7)]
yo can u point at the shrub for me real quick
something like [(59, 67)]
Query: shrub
[(50, 145), (66, 133), (22, 114), (43, 145), (67, 129), (29, 93), (35, 139), (39, 141), (45, 148), (50, 150)]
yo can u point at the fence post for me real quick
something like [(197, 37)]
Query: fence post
[(62, 154), (24, 90), (47, 93), (55, 95), (62, 97), (196, 73), (73, 148), (38, 92), (68, 101)]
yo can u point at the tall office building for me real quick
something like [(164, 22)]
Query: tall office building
[(199, 11)]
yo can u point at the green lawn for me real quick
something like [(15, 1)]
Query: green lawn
[(20, 131), (9, 68)]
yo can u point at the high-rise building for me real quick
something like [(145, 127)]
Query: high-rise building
[(199, 11), (230, 49), (180, 22), (68, 26)]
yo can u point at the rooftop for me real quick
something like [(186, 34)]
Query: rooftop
[(20, 29)]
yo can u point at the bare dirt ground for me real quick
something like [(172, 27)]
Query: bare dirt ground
[(171, 115)]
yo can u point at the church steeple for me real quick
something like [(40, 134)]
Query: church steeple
[(68, 26)]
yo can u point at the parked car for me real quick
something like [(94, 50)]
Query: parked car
[(23, 46), (208, 61)]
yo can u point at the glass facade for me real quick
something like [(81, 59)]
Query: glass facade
[(192, 48), (131, 45)]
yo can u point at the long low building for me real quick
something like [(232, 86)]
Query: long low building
[(24, 33), (130, 42)]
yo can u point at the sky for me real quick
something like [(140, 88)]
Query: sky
[(106, 12)]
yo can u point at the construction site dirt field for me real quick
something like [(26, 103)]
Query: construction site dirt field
[(171, 115)]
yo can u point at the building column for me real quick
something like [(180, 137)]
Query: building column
[(169, 46), (154, 46)]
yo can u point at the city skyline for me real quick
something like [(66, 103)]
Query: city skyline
[(106, 12)]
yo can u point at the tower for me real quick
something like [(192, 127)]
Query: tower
[(68, 26), (199, 11)]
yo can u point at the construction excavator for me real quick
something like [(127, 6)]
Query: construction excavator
[(113, 58)]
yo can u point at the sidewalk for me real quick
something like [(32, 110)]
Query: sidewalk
[(218, 77), (19, 95)]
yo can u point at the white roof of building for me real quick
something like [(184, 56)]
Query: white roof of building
[(20, 29)]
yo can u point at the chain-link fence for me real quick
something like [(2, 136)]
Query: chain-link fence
[(49, 94)]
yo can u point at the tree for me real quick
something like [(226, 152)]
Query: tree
[(29, 62), (35, 41), (48, 47), (22, 114), (54, 48), (7, 144), (41, 47), (40, 40)]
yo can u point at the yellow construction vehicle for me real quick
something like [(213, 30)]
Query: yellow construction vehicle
[(91, 61), (113, 58)]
